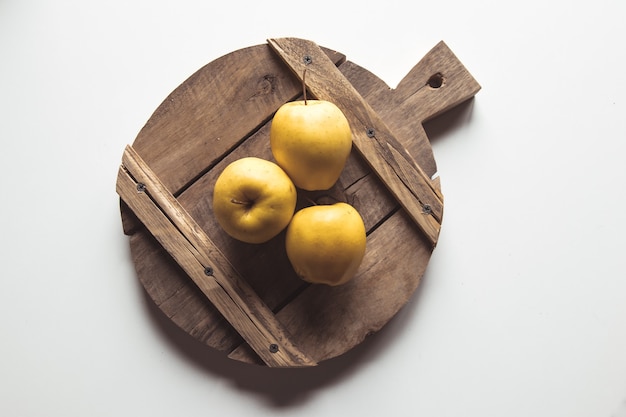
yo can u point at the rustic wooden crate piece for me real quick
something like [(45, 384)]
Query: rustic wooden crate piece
[(222, 113)]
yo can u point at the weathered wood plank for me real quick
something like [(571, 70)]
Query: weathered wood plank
[(190, 130), (371, 136), (405, 124), (192, 249), (205, 117), (438, 82), (171, 290), (331, 320)]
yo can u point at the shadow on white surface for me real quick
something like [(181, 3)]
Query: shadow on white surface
[(284, 387), (454, 118), (621, 410)]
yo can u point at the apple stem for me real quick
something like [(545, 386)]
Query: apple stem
[(243, 203), (304, 86)]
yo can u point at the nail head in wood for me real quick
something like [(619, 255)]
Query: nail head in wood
[(208, 271), (273, 348), (307, 60), (141, 187), (370, 132)]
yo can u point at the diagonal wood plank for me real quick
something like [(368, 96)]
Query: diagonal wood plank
[(193, 250), (371, 136)]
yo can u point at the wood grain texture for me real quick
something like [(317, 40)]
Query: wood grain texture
[(324, 322), (196, 254), (370, 134), (212, 112)]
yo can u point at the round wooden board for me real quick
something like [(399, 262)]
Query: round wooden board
[(222, 113)]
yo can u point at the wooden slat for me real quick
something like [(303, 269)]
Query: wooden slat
[(189, 132), (415, 101), (371, 136), (211, 113), (414, 94), (331, 320), (193, 250)]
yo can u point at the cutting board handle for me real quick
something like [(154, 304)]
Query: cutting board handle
[(438, 82)]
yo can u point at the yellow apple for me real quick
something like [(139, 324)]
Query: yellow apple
[(253, 199), (326, 244), (311, 140)]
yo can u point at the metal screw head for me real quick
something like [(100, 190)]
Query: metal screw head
[(273, 348), (208, 271), (427, 209), (307, 60), (141, 187), (370, 132)]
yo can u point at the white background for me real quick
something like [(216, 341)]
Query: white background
[(522, 310)]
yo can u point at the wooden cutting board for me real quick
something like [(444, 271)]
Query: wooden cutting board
[(245, 300)]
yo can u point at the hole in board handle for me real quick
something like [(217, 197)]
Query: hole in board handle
[(436, 80)]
